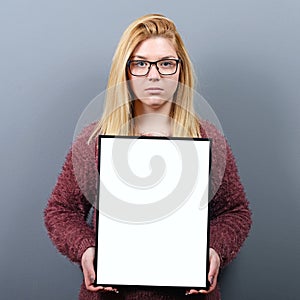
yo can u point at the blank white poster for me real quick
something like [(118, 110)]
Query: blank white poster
[(152, 223)]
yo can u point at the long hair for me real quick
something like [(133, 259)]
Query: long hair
[(118, 111)]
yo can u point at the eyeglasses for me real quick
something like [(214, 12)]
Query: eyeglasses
[(163, 66)]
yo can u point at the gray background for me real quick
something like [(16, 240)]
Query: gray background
[(55, 58)]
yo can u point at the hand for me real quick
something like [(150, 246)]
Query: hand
[(87, 263), (214, 265)]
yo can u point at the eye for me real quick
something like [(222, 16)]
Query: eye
[(167, 64), (140, 64)]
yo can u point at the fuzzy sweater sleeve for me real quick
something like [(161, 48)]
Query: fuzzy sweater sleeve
[(70, 202), (230, 216)]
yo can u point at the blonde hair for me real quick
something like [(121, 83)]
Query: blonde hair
[(118, 112)]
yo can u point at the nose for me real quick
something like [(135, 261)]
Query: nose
[(153, 72)]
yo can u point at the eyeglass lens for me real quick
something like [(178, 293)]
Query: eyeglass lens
[(142, 67)]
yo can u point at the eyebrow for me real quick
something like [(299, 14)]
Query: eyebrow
[(143, 57)]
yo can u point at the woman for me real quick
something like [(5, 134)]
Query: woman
[(149, 93)]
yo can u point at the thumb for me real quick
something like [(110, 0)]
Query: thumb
[(88, 267), (89, 274)]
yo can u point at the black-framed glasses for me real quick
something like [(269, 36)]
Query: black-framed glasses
[(166, 66)]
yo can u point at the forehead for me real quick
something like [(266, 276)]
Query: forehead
[(155, 48)]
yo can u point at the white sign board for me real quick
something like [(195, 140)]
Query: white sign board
[(152, 218)]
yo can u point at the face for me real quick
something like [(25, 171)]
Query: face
[(154, 91)]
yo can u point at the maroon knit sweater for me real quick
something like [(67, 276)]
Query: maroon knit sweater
[(76, 189)]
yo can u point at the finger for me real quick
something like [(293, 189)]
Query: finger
[(212, 277), (89, 275), (213, 271), (213, 280), (111, 289), (214, 266), (213, 283), (88, 270), (206, 291), (87, 263), (89, 278), (191, 291), (93, 288)]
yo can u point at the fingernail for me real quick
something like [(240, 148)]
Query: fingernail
[(187, 293), (211, 280)]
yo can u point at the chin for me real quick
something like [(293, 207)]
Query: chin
[(153, 102)]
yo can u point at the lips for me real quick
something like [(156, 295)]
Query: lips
[(154, 89)]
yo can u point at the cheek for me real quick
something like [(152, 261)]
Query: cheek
[(135, 86), (171, 86)]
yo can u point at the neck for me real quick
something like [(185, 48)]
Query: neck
[(152, 121), (141, 109), (153, 124)]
